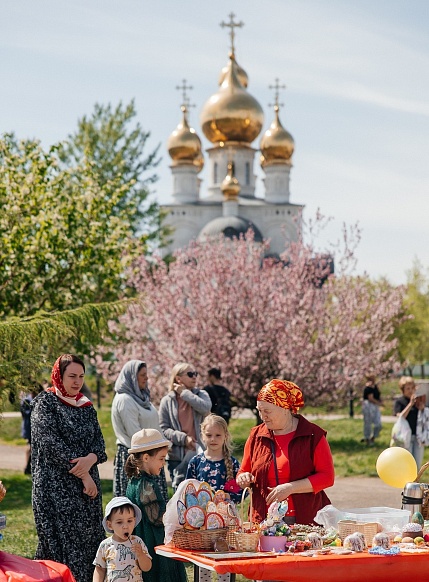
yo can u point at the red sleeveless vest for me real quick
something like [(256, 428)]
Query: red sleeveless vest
[(301, 453)]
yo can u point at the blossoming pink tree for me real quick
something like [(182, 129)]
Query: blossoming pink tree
[(220, 304)]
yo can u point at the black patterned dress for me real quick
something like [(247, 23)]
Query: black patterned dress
[(68, 522)]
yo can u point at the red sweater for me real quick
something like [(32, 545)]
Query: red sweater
[(257, 460)]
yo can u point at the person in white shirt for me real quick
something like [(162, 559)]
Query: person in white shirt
[(132, 411)]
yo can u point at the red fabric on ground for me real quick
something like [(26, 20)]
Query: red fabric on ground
[(17, 569)]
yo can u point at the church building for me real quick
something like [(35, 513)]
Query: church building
[(231, 120)]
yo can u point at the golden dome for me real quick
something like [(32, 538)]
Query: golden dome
[(277, 144), (230, 185), (240, 72), (231, 114), (184, 145)]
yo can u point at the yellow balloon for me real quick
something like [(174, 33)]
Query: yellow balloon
[(396, 466)]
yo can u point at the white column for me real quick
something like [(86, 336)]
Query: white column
[(186, 184), (277, 182)]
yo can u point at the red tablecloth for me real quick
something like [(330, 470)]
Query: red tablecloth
[(15, 568), (295, 568)]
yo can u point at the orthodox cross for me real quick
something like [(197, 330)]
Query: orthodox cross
[(231, 24), (186, 100), (276, 88)]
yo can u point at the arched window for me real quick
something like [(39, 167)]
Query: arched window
[(215, 173), (247, 173)]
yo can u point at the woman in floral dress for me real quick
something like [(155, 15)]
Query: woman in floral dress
[(67, 446)]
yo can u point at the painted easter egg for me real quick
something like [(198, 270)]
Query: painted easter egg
[(232, 510), (214, 521), (211, 507), (190, 500), (203, 497), (181, 509), (222, 507), (190, 488), (195, 516), (220, 495)]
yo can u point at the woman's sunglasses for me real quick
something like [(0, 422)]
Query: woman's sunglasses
[(192, 374)]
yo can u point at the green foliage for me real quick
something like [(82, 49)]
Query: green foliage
[(26, 343), (65, 239), (114, 144), (414, 333)]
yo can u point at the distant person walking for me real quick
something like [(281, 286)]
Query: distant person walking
[(219, 395), (371, 410), (412, 408)]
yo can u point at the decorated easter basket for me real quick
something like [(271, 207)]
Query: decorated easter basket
[(202, 539), (247, 539), (425, 501)]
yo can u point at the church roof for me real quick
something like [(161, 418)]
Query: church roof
[(229, 226)]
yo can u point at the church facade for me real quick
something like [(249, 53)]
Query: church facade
[(231, 120)]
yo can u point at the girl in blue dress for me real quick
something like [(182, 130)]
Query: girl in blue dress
[(217, 467)]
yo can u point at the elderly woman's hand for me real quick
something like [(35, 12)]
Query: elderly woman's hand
[(279, 493), (245, 479)]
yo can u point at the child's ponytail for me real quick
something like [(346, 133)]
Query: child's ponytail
[(228, 463), (131, 465)]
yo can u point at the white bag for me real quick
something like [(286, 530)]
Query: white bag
[(401, 434), (170, 517)]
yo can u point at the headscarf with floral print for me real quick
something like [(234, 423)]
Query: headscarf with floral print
[(283, 394), (58, 387)]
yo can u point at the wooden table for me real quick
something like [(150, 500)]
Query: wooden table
[(359, 567)]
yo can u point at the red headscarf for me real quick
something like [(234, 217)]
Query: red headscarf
[(282, 393), (58, 388)]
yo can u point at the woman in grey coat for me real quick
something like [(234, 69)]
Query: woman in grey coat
[(181, 413)]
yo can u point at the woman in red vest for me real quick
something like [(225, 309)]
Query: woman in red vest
[(286, 457)]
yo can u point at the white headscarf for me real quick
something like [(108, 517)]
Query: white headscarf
[(127, 383)]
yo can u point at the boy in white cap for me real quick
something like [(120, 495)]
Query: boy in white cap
[(122, 555)]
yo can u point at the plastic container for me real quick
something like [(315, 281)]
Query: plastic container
[(389, 518), (272, 543)]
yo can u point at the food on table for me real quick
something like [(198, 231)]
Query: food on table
[(316, 540), (382, 540), (355, 542), (412, 530), (418, 518)]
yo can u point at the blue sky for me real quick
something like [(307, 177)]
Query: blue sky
[(357, 98)]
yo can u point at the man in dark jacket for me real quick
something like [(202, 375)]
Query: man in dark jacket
[(219, 395)]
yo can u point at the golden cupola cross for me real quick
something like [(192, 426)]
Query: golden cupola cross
[(231, 25)]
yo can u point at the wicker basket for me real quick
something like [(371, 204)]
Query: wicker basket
[(201, 539), (247, 540), (230, 537), (347, 527), (425, 501)]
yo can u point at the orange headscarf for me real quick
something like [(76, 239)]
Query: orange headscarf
[(282, 393)]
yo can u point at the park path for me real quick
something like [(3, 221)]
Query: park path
[(347, 492)]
